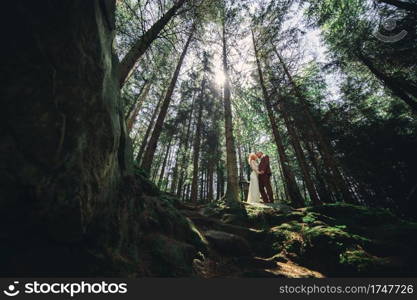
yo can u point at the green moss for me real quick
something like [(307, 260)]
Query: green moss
[(288, 237), (338, 239), (354, 215), (266, 217), (363, 263)]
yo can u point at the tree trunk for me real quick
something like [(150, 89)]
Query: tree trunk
[(276, 185), (239, 155), (299, 153), (232, 192), (150, 149), (293, 190), (133, 115), (328, 156), (197, 142), (148, 131), (187, 193), (184, 168), (324, 191), (286, 193), (133, 104), (201, 177), (210, 171), (165, 185), (185, 152), (164, 163), (64, 147), (155, 168), (139, 48), (220, 180), (175, 170)]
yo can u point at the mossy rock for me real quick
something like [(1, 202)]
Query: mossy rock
[(167, 220), (332, 235), (171, 258), (287, 237), (337, 239), (228, 244), (267, 217), (324, 244), (358, 262), (354, 215), (171, 198)]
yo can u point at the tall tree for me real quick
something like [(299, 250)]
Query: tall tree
[(150, 149), (293, 190), (138, 105), (197, 137), (399, 87), (232, 190), (164, 163), (149, 129), (141, 45), (325, 147), (301, 159), (185, 151)]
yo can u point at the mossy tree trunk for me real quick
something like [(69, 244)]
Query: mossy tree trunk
[(62, 165)]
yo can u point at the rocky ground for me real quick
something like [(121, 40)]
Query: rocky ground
[(244, 240), (333, 240)]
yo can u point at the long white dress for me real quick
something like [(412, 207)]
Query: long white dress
[(254, 194)]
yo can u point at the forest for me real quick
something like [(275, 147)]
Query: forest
[(128, 128)]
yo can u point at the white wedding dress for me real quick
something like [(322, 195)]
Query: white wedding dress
[(254, 194)]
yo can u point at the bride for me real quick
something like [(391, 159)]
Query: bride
[(254, 194)]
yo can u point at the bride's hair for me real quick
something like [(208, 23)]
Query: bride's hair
[(252, 156)]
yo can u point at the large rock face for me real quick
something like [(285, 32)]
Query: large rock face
[(62, 147)]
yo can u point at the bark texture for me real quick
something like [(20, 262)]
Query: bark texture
[(62, 165)]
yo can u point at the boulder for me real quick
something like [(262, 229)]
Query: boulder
[(228, 244)]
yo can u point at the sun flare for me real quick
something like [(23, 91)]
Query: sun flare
[(219, 77)]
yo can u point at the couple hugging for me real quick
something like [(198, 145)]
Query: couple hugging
[(260, 179)]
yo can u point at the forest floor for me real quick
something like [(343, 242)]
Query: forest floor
[(265, 240), (218, 239), (232, 255)]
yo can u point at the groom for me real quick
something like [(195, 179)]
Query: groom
[(264, 178)]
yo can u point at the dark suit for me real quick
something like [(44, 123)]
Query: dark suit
[(265, 180)]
